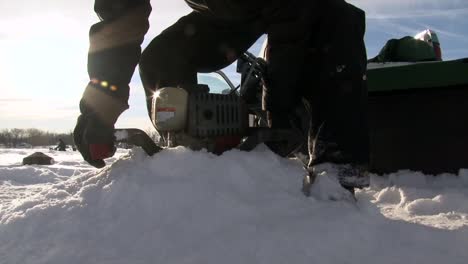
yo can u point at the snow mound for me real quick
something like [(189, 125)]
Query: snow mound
[(22, 175), (389, 195), (440, 201), (454, 202), (182, 206)]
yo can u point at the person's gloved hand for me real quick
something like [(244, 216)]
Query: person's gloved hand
[(100, 107), (94, 140)]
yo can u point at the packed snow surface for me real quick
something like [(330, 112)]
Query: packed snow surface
[(181, 206)]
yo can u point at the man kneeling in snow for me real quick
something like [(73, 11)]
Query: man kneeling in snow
[(316, 51)]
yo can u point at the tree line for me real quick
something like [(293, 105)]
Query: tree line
[(16, 137)]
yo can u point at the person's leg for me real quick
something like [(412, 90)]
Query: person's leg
[(195, 43), (289, 35), (339, 131)]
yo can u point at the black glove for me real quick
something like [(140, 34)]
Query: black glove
[(94, 140), (94, 132)]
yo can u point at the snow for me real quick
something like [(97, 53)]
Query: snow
[(181, 206), (121, 134)]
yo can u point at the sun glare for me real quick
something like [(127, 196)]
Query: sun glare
[(48, 62), (43, 67)]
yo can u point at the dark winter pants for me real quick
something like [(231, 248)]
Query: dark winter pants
[(298, 67), (337, 87)]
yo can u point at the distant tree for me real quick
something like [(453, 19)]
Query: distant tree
[(33, 136), (5, 137), (17, 135), (36, 137)]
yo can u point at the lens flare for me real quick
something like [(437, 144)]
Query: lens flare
[(156, 94)]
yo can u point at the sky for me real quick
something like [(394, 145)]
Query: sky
[(43, 51)]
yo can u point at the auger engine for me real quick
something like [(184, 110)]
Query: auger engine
[(199, 119)]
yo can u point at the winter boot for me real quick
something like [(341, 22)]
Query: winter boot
[(350, 176)]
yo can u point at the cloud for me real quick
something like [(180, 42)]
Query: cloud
[(24, 17), (10, 100), (408, 17), (389, 7), (28, 108), (421, 13), (70, 8), (413, 9), (395, 27), (453, 53), (446, 33)]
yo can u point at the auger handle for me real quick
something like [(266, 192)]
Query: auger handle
[(138, 138)]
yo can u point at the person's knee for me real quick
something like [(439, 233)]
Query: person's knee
[(157, 61), (163, 66), (151, 61)]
